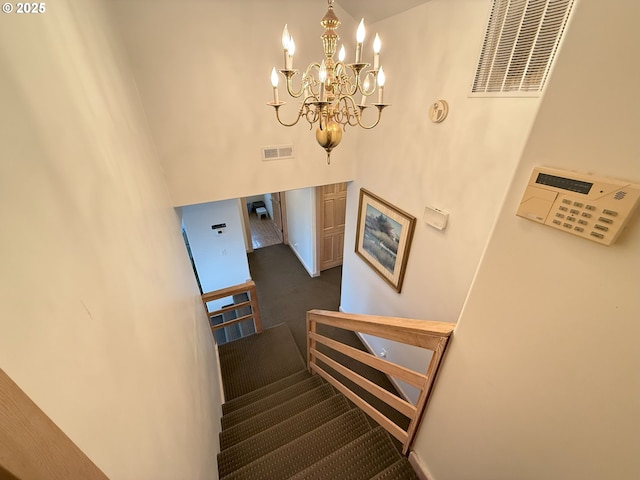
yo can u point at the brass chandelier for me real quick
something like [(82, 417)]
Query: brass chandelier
[(328, 88)]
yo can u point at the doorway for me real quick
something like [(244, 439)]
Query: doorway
[(264, 223)]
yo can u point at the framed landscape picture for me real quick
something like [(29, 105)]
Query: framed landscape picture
[(383, 237)]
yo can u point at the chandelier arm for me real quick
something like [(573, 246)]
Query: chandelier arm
[(374, 75), (289, 74), (301, 113), (379, 106)]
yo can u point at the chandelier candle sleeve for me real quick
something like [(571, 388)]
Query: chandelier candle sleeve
[(381, 80), (377, 45), (365, 88), (285, 45), (291, 50), (274, 84), (322, 77), (360, 33)]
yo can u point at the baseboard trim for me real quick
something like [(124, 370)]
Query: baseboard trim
[(306, 267), (219, 372), (421, 470)]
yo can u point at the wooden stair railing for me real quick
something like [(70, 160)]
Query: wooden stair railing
[(420, 333), (250, 289)]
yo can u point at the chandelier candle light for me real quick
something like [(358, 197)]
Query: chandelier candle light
[(328, 88)]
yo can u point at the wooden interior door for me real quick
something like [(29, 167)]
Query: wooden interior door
[(331, 204)]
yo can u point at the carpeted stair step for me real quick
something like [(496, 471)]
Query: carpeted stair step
[(258, 360), (271, 417), (264, 442), (306, 450), (361, 459), (265, 391), (401, 470), (273, 400)]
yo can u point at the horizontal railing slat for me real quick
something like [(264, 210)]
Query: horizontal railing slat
[(401, 373), (230, 308), (231, 322), (390, 399), (387, 424)]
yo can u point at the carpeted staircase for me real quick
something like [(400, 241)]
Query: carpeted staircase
[(280, 422)]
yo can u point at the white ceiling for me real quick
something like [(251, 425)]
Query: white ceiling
[(375, 10)]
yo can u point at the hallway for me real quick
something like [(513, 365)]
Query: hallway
[(264, 232)]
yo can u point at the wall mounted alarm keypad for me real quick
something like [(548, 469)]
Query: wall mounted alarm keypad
[(595, 208)]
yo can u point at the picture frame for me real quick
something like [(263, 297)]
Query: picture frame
[(383, 237)]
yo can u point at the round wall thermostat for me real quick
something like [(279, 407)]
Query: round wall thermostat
[(438, 111)]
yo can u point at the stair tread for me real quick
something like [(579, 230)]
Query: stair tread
[(261, 444), (361, 459), (252, 362), (401, 470), (306, 450), (271, 417), (273, 400), (265, 391)]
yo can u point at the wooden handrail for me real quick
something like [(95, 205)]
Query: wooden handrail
[(250, 289), (425, 334)]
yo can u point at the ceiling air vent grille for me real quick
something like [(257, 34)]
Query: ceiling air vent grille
[(520, 43), (277, 152)]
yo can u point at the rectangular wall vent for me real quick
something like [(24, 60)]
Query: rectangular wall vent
[(520, 44), (278, 152)]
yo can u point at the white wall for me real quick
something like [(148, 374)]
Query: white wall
[(221, 259), (462, 165), (301, 224), (541, 380), (203, 69), (100, 318)]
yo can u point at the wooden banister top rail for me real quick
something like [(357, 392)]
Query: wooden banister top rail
[(420, 333), (227, 292)]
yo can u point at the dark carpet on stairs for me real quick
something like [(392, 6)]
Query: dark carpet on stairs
[(251, 364), (298, 427), (286, 292)]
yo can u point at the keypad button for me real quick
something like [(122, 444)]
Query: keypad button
[(566, 201), (557, 222), (583, 222), (563, 209), (560, 215), (586, 215), (590, 207), (575, 212), (571, 219), (610, 212), (601, 227), (578, 204), (597, 235), (579, 229), (567, 225), (605, 220)]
